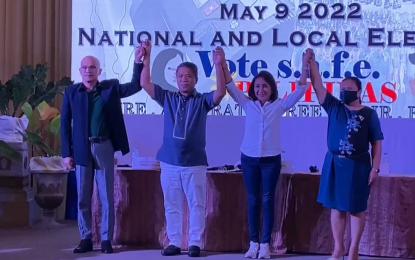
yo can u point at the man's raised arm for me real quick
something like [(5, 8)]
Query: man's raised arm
[(145, 78), (218, 59)]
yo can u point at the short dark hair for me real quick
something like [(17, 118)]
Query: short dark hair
[(358, 84), (190, 66), (269, 79), (356, 81)]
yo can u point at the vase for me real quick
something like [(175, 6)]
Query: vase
[(49, 195)]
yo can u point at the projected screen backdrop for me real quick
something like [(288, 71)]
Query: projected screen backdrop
[(370, 39)]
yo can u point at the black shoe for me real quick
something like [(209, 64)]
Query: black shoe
[(106, 247), (194, 251), (85, 246), (171, 250)]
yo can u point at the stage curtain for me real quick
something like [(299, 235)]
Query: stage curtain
[(32, 32)]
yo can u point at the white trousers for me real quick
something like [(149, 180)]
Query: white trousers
[(177, 183)]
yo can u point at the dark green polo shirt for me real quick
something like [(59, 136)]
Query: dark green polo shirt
[(96, 114)]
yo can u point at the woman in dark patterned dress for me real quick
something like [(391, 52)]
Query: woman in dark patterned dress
[(349, 169)]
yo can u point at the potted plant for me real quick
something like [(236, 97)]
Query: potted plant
[(27, 94), (47, 167), (25, 91)]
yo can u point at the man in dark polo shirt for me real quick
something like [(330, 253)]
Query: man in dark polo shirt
[(98, 125), (92, 129), (182, 156)]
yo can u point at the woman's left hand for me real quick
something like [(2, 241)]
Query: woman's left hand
[(373, 176)]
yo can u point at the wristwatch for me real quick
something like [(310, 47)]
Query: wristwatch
[(376, 170)]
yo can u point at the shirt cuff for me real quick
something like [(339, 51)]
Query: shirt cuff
[(138, 65), (231, 84)]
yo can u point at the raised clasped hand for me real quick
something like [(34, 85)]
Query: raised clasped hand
[(146, 44), (218, 56), (307, 57), (139, 53)]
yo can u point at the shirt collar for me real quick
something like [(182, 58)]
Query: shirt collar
[(193, 94), (265, 104), (83, 88)]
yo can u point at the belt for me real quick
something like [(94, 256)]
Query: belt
[(98, 139), (348, 156)]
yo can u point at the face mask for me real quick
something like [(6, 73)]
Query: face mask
[(348, 96)]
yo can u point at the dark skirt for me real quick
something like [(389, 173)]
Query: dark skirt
[(344, 182)]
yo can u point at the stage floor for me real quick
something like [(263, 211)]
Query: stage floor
[(57, 244)]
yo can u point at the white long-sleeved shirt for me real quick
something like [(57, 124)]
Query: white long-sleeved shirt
[(262, 123)]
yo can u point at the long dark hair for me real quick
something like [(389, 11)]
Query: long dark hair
[(269, 79)]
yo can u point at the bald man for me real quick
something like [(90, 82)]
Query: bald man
[(92, 129)]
